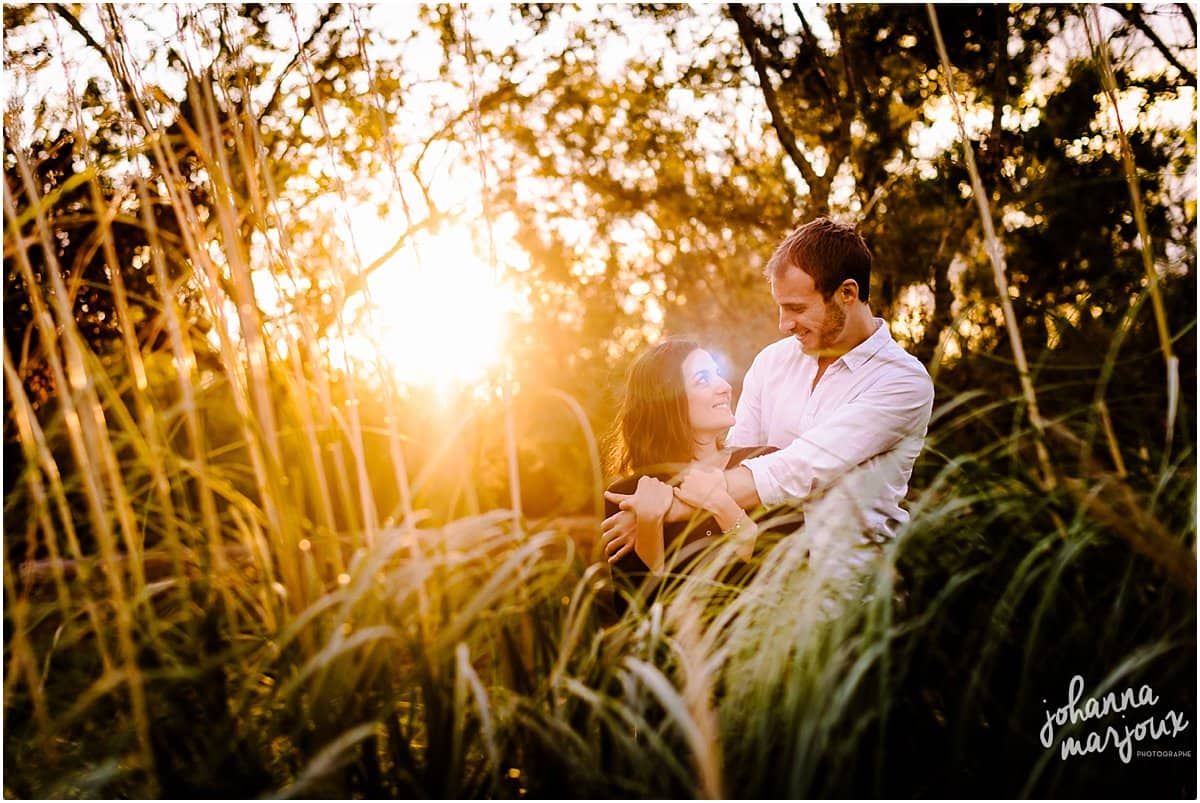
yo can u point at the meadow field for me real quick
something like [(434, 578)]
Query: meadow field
[(315, 322)]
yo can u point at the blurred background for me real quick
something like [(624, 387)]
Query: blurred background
[(316, 317)]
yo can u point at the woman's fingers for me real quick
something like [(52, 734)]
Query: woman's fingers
[(687, 494), (617, 531), (618, 547), (622, 552), (619, 524), (655, 495), (615, 520), (616, 543), (615, 497)]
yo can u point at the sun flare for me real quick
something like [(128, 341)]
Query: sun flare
[(437, 314)]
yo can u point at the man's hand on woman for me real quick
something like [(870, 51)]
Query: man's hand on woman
[(702, 487)]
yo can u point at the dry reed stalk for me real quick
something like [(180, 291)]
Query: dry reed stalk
[(37, 454), (366, 500), (183, 354), (147, 421), (700, 670), (593, 448), (506, 380), (995, 254), (1100, 48), (296, 324), (83, 416), (22, 661), (395, 449), (257, 433), (1112, 503)]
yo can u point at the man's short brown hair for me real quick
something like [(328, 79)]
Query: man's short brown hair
[(829, 252)]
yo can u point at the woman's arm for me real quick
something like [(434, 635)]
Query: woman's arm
[(648, 543), (649, 504), (704, 487)]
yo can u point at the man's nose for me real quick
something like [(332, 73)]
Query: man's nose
[(786, 323)]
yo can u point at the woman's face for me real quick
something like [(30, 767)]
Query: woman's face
[(709, 396)]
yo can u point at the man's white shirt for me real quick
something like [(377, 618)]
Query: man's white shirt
[(850, 442)]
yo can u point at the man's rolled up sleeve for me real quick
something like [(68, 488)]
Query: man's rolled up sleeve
[(895, 408)]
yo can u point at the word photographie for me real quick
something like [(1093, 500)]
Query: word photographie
[(1152, 727)]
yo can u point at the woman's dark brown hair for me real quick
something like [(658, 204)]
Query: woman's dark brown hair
[(653, 427)]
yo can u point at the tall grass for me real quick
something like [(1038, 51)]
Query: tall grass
[(221, 578)]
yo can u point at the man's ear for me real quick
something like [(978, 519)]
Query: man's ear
[(848, 291)]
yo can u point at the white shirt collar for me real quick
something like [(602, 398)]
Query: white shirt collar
[(867, 349)]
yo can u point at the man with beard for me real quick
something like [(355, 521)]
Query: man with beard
[(844, 404)]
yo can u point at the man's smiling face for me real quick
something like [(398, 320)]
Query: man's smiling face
[(818, 325)]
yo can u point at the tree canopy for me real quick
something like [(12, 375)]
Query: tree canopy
[(632, 167)]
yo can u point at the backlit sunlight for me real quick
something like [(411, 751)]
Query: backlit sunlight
[(437, 315)]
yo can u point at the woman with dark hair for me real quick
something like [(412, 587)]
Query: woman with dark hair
[(670, 441)]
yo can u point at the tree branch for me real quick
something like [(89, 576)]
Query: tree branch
[(1000, 76), (91, 42), (324, 20), (430, 222), (489, 101), (820, 62), (819, 191), (1136, 19), (847, 66), (355, 283), (1189, 16)]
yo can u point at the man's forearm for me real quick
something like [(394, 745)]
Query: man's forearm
[(740, 483), (680, 510)]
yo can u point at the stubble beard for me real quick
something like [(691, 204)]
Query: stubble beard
[(831, 331)]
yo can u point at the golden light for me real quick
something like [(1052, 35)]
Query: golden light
[(437, 314)]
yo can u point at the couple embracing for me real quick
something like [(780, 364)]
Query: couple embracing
[(829, 423)]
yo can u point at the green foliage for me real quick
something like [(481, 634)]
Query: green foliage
[(236, 565)]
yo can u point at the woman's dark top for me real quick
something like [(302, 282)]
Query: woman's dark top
[(631, 572)]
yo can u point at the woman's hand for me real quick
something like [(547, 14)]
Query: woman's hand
[(704, 487), (651, 499), (648, 504), (638, 525), (619, 531)]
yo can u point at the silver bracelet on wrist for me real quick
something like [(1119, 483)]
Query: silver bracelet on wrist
[(736, 527)]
